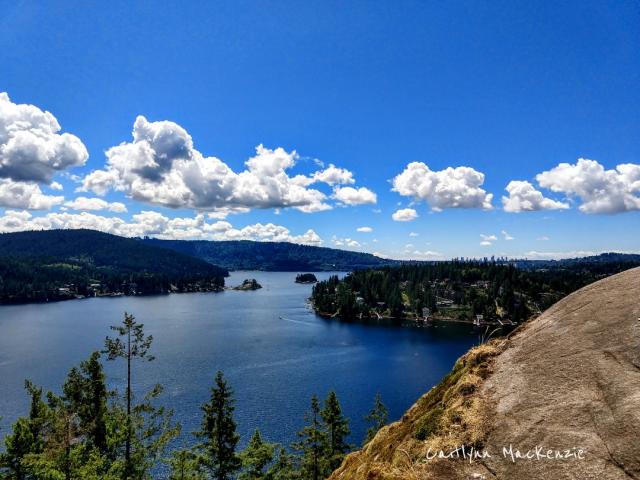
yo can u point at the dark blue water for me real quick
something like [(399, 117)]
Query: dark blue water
[(273, 349)]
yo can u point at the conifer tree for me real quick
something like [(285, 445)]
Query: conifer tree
[(313, 445), (337, 431), (283, 467), (256, 458), (218, 432), (130, 344), (185, 464), (378, 416)]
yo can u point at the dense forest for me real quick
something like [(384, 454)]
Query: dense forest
[(89, 432), (64, 264), (271, 256), (488, 291)]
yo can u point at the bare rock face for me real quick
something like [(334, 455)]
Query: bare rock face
[(559, 399)]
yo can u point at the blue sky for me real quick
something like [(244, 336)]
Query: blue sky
[(495, 91)]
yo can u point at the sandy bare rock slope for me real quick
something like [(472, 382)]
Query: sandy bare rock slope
[(570, 378)]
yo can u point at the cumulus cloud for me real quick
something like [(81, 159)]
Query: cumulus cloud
[(458, 187), (364, 229), (334, 176), (414, 234), (161, 166), (31, 147), (405, 215), (354, 196), (155, 224), (84, 203), (487, 240), (345, 242), (600, 190), (506, 235), (523, 197), (25, 196)]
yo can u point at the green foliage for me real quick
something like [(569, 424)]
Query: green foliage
[(378, 416), (256, 458), (185, 464), (64, 264), (218, 432), (313, 445), (337, 430), (459, 289), (271, 256)]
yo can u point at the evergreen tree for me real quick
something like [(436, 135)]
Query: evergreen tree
[(256, 458), (185, 465), (283, 467), (337, 429), (378, 417), (131, 343), (313, 445), (218, 432)]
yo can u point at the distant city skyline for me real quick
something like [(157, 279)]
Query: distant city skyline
[(411, 130)]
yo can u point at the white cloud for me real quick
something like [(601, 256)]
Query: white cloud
[(487, 240), (84, 203), (31, 149), (161, 166), (364, 229), (600, 190), (25, 196), (154, 224), (333, 175), (449, 188), (506, 235), (354, 196), (405, 215), (345, 242), (543, 238), (56, 186), (414, 234), (523, 197)]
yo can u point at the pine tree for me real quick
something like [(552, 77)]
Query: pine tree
[(282, 467), (256, 458), (378, 417), (185, 465), (131, 343), (337, 429), (312, 445), (218, 432)]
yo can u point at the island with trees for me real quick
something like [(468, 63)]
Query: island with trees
[(306, 278), (248, 284)]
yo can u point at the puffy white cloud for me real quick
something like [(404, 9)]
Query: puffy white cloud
[(523, 197), (487, 240), (154, 224), (25, 195), (31, 147), (364, 229), (56, 186), (333, 175), (161, 166), (354, 196), (84, 203), (600, 190), (414, 234), (345, 242), (405, 215), (506, 235), (458, 187)]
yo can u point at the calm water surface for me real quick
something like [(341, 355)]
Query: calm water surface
[(273, 349)]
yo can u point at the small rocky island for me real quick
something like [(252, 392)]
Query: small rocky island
[(248, 284), (306, 278)]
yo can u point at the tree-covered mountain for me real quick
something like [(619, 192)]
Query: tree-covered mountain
[(271, 256), (60, 264)]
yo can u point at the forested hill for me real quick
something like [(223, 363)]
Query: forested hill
[(59, 264), (272, 256)]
